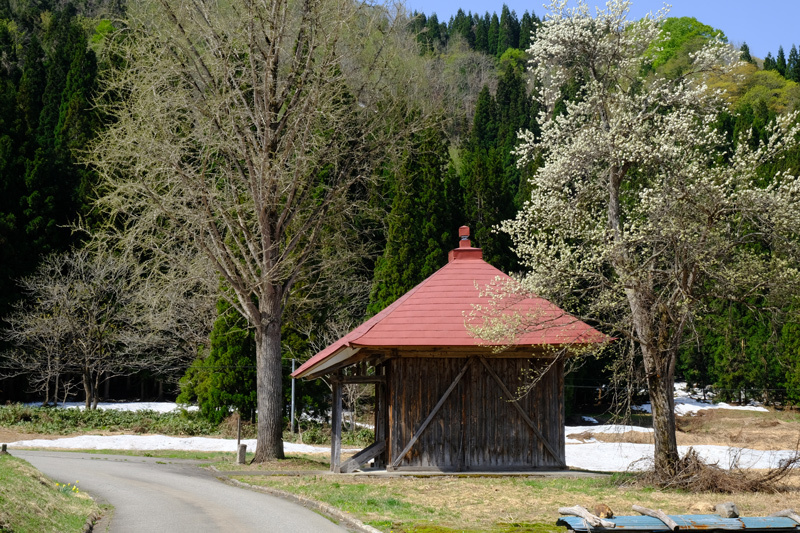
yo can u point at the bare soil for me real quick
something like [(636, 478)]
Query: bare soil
[(773, 430), (9, 435)]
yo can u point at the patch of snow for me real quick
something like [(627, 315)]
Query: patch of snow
[(159, 407), (622, 456), (158, 442), (689, 402), (590, 420), (591, 455)]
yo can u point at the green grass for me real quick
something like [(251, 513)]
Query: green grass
[(383, 507), (209, 457), (53, 421), (446, 504), (30, 502)]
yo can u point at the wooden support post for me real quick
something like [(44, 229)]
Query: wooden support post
[(336, 425), (380, 427), (522, 413)]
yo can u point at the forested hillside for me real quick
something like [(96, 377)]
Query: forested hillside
[(470, 94)]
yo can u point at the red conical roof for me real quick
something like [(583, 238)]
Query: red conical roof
[(435, 314)]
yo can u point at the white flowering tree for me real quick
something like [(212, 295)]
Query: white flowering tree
[(638, 211)]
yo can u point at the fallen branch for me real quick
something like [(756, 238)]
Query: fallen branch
[(591, 519), (788, 513), (659, 514)]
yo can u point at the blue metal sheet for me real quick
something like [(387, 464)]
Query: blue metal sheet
[(773, 524)]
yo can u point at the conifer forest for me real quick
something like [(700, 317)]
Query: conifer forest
[(195, 194)]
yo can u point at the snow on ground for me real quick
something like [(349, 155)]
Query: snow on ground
[(589, 455), (620, 456), (592, 455), (690, 402), (158, 442), (159, 407)]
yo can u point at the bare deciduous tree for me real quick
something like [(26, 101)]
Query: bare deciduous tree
[(246, 129), (90, 316)]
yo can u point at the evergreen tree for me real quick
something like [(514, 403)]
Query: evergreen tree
[(493, 34), (487, 198), (528, 25), (745, 55), (516, 111), (462, 25), (769, 62), (225, 380), (780, 62), (482, 33), (421, 227), (793, 65), (432, 34), (508, 36), (46, 116), (790, 355)]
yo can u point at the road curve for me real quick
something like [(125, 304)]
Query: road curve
[(150, 494)]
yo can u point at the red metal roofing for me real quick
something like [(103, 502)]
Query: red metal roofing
[(435, 313)]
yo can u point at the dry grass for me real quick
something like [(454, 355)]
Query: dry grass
[(745, 429), (694, 475), (766, 431), (497, 503), (490, 504)]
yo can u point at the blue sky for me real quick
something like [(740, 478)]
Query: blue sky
[(763, 25)]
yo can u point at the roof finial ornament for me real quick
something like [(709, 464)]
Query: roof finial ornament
[(463, 234)]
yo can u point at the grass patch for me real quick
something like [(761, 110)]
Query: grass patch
[(55, 421), (497, 504), (30, 502), (293, 462), (210, 457)]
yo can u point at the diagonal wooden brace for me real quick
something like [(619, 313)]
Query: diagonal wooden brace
[(522, 413), (427, 421), (363, 457)]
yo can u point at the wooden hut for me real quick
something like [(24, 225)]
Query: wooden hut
[(443, 399)]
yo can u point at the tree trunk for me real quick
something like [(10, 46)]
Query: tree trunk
[(662, 402), (87, 389), (270, 391), (96, 391), (659, 355)]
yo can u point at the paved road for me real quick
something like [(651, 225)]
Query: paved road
[(149, 496)]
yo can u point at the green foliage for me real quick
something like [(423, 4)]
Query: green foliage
[(225, 380), (33, 503), (680, 37), (55, 421), (514, 58), (492, 182), (739, 350), (47, 82), (768, 86), (745, 56), (421, 225), (790, 351)]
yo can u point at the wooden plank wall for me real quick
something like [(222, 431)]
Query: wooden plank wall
[(476, 427)]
